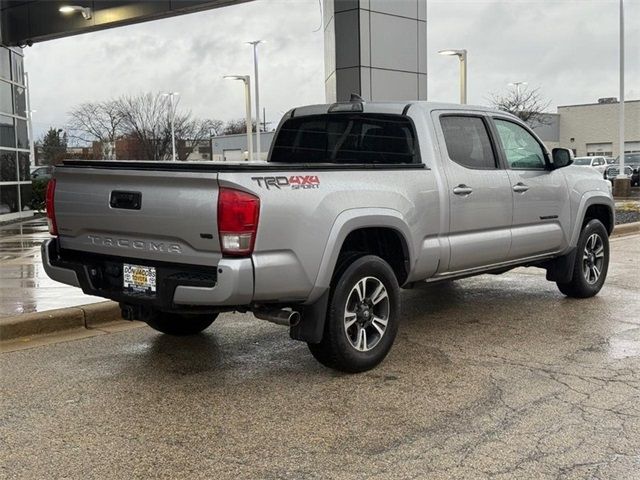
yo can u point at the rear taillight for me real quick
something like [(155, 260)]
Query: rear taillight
[(51, 210), (238, 214)]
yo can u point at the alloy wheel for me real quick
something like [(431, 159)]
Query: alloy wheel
[(366, 314), (593, 258)]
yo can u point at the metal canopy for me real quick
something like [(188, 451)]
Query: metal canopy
[(24, 22)]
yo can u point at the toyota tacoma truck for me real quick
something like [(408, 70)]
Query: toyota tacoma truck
[(356, 201)]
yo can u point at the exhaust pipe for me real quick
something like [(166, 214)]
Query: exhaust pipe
[(287, 318)]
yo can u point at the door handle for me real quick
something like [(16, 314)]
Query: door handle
[(520, 187), (462, 189)]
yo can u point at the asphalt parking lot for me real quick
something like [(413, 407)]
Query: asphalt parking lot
[(492, 377)]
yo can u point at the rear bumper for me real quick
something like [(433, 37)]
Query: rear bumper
[(178, 286)]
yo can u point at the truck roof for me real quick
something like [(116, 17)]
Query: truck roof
[(386, 107)]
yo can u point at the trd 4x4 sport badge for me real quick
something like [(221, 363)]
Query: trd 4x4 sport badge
[(295, 182)]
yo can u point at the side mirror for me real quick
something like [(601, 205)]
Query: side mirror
[(562, 157)]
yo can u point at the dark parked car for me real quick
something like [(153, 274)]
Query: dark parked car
[(633, 160), (614, 170), (631, 167)]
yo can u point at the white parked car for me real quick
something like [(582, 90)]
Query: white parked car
[(599, 163)]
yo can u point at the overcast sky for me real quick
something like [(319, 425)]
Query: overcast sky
[(568, 48)]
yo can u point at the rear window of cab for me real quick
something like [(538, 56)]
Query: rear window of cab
[(346, 138)]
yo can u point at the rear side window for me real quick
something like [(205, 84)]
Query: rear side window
[(468, 142), (346, 138)]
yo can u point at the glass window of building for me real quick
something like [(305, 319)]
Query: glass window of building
[(5, 64), (8, 168), (22, 134), (15, 177), (20, 101), (23, 167), (17, 68), (6, 98), (7, 132), (25, 197), (9, 199)]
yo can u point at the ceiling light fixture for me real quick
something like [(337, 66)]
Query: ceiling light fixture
[(87, 13)]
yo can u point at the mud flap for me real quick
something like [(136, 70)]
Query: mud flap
[(311, 327), (561, 269)]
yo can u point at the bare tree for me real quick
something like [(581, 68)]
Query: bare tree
[(97, 122), (236, 127), (525, 103), (140, 126), (147, 124)]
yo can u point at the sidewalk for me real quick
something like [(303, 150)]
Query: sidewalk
[(24, 285)]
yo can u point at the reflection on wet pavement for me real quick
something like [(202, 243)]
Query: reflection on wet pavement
[(24, 285)]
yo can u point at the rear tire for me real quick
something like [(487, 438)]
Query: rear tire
[(591, 263), (180, 324), (363, 316)]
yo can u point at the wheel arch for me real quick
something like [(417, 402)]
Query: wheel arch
[(383, 224), (593, 205)]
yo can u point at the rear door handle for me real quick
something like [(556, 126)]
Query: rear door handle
[(520, 187), (462, 189)]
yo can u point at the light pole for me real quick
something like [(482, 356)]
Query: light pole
[(255, 44), (172, 117), (621, 183), (247, 97), (32, 148), (462, 56)]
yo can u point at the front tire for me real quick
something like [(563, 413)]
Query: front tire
[(591, 263), (180, 324), (362, 319)]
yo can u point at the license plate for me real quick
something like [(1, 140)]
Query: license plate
[(139, 279)]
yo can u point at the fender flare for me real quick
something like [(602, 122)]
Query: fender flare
[(347, 222), (588, 199)]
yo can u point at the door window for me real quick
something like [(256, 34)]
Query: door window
[(468, 142), (522, 150)]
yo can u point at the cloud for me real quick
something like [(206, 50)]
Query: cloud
[(568, 48), (189, 54)]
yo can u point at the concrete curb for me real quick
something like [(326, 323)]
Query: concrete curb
[(54, 321), (626, 229)]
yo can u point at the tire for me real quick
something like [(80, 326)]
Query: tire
[(344, 347), (591, 263), (180, 325)]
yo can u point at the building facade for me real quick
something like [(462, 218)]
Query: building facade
[(15, 181), (233, 148), (593, 128)]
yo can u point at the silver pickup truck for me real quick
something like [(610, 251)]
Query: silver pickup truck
[(357, 201)]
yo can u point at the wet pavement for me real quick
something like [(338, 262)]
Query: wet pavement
[(24, 285), (495, 377)]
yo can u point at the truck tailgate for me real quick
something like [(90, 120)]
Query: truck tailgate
[(168, 216)]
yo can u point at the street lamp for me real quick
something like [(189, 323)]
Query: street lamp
[(255, 44), (247, 97), (87, 13), (462, 56), (517, 85), (172, 118)]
